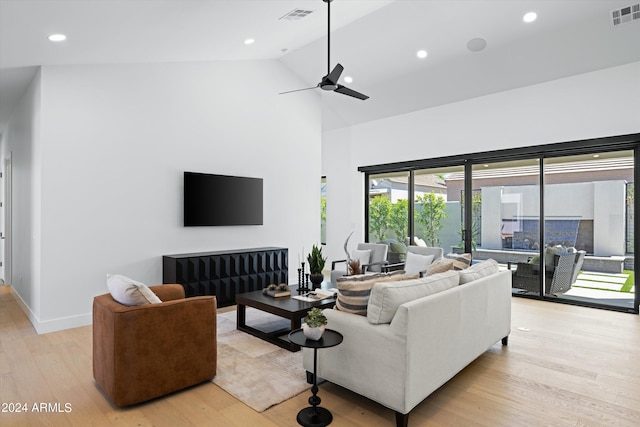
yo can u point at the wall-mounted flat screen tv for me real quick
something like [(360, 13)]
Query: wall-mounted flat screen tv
[(221, 200)]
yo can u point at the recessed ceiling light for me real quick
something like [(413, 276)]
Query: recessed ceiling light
[(249, 41), (421, 54), (348, 79), (530, 17), (57, 37)]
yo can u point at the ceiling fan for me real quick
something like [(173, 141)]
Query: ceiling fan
[(330, 81)]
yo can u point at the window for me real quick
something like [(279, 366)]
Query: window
[(561, 216)]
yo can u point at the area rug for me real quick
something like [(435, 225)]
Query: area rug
[(258, 373)]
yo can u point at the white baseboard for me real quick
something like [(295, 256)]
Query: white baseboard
[(54, 325)]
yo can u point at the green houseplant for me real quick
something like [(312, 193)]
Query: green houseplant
[(316, 265), (314, 323)]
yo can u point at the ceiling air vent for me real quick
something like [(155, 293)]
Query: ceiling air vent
[(297, 14), (626, 14)]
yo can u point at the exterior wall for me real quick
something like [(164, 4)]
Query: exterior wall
[(602, 202)]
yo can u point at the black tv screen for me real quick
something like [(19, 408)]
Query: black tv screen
[(221, 200)]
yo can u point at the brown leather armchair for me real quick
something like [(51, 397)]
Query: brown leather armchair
[(147, 351)]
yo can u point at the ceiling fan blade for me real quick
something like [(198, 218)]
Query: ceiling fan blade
[(350, 92), (334, 75), (298, 90)]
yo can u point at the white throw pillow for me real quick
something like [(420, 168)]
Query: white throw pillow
[(478, 271), (419, 242), (416, 263), (362, 255), (129, 292), (386, 297)]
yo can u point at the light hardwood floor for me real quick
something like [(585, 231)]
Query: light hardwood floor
[(573, 366)]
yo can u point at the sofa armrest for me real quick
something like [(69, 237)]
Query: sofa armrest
[(333, 263), (168, 292), (368, 354), (393, 267), (382, 265), (461, 322)]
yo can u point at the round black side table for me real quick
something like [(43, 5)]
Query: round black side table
[(314, 415)]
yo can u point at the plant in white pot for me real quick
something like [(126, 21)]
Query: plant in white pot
[(314, 323)]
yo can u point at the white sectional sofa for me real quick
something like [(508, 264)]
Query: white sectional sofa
[(414, 347)]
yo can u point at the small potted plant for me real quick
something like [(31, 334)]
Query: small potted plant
[(314, 323), (316, 265)]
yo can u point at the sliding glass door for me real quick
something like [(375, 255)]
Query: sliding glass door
[(507, 195), (388, 216), (588, 230), (560, 217), (438, 218)]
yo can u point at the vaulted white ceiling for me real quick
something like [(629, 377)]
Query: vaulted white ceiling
[(375, 40)]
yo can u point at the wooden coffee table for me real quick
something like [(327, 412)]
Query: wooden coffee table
[(286, 307)]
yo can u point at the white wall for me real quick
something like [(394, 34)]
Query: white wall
[(115, 140), (21, 144), (345, 194), (597, 104)]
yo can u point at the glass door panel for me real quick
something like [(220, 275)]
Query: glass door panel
[(506, 202), (588, 224), (388, 212), (438, 216)]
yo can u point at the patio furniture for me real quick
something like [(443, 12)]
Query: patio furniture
[(577, 266), (558, 279), (419, 250), (377, 259), (397, 251)]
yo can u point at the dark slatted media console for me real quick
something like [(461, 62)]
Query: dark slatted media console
[(226, 273)]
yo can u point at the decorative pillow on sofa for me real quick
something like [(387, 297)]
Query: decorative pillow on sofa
[(353, 291), (478, 271), (388, 296), (460, 261), (129, 292), (440, 266), (416, 263)]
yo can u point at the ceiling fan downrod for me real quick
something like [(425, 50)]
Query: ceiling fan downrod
[(328, 2)]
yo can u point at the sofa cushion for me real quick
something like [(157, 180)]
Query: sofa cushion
[(354, 291), (416, 263), (440, 266), (478, 271), (130, 292), (386, 297), (460, 261)]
